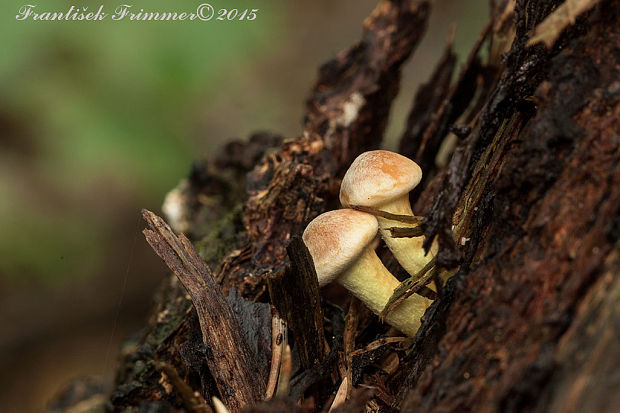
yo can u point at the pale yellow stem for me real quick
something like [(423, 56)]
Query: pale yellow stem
[(369, 281), (408, 251)]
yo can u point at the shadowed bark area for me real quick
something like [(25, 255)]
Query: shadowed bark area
[(525, 206), (541, 211)]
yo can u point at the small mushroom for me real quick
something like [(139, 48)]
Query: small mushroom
[(383, 180), (340, 243)]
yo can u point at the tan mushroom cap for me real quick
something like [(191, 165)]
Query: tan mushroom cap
[(336, 239), (377, 177)]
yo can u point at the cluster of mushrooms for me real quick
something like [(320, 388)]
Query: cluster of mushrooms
[(341, 242)]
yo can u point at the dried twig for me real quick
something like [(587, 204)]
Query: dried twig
[(407, 219), (350, 331), (402, 232), (378, 344), (279, 341), (286, 369), (409, 287), (341, 394), (192, 400), (229, 358)]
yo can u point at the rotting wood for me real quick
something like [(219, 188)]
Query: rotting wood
[(192, 400), (533, 188), (318, 373), (295, 295), (287, 187), (346, 113), (229, 358), (541, 228), (428, 98)]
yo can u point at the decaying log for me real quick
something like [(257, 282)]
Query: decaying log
[(347, 113), (539, 213), (526, 209), (295, 294)]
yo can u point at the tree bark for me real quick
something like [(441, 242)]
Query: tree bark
[(537, 200)]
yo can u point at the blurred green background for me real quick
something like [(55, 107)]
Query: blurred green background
[(100, 119)]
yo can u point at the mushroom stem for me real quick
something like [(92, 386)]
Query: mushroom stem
[(369, 281), (408, 251), (340, 245)]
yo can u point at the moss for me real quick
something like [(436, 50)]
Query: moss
[(165, 329), (222, 238)]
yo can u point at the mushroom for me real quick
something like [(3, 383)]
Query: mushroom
[(340, 245), (382, 180)]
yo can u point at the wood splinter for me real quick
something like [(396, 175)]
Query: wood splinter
[(286, 370), (279, 342), (411, 286), (407, 219), (403, 232), (229, 357)]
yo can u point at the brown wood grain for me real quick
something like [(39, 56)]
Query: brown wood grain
[(540, 210), (230, 360)]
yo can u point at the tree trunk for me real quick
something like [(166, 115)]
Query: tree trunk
[(526, 210)]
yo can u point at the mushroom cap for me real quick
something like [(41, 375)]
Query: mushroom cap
[(336, 239), (377, 177)]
